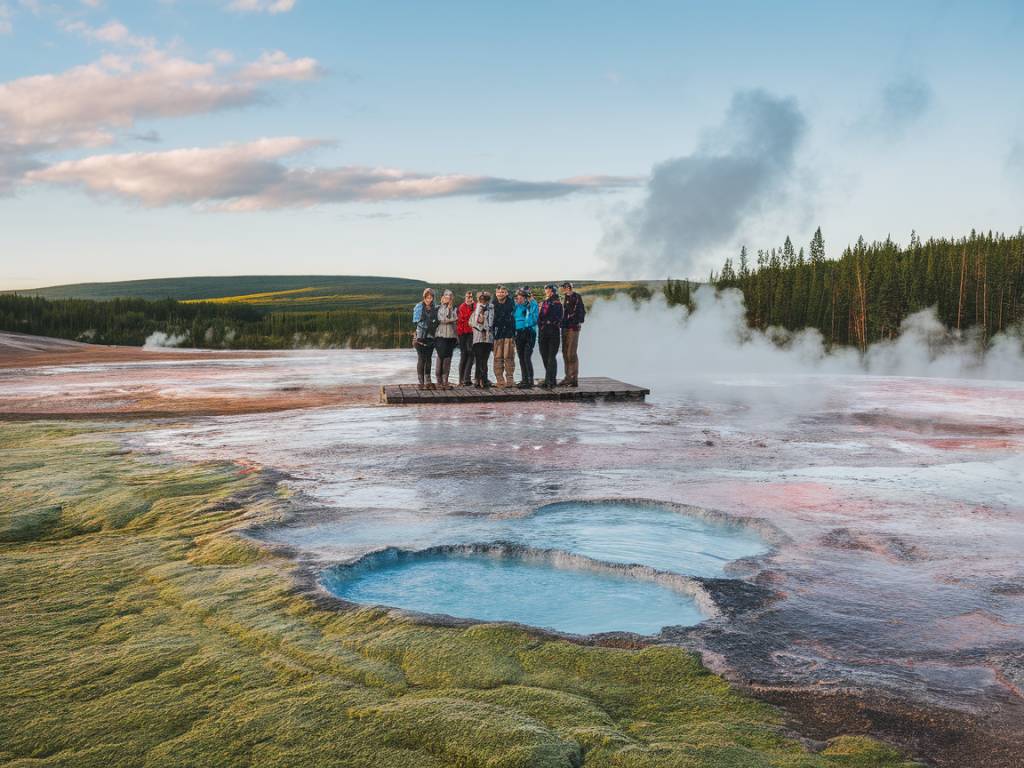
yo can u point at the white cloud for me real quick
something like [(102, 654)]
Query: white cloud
[(275, 65), (6, 27), (112, 33), (250, 177), (86, 105), (262, 6)]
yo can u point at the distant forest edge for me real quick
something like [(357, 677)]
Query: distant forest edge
[(975, 283), (267, 313)]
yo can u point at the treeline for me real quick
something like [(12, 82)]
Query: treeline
[(974, 282), (203, 325)]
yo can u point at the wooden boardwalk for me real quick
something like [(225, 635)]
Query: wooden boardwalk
[(593, 388)]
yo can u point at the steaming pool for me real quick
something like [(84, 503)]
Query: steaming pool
[(577, 567)]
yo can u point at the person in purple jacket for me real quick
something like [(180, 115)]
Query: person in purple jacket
[(549, 332)]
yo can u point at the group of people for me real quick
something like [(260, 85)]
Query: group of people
[(505, 326)]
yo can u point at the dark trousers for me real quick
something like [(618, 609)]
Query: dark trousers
[(525, 341), (424, 353), (549, 341), (481, 351), (465, 358)]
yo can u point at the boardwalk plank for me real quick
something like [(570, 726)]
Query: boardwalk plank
[(591, 388)]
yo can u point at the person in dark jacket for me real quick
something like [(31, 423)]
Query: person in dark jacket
[(465, 334), (526, 334), (504, 338), (424, 318), (549, 332), (573, 313)]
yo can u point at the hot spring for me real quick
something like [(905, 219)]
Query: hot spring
[(573, 567)]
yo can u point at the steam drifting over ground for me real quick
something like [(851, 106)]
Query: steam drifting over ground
[(662, 345)]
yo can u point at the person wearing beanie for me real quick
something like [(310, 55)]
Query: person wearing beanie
[(526, 334), (504, 338), (549, 330), (573, 313)]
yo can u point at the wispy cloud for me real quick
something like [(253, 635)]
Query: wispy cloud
[(251, 177), (275, 65), (699, 201), (898, 106), (6, 26), (262, 6)]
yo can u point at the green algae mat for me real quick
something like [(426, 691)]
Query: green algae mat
[(139, 628)]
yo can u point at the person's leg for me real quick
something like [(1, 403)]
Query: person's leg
[(569, 355), (549, 353), (428, 359), (466, 359), (499, 363), (531, 342), (521, 352), (509, 351), (574, 374), (487, 354), (422, 363)]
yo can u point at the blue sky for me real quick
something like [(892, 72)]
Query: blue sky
[(478, 141)]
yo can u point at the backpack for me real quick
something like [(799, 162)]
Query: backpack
[(582, 314)]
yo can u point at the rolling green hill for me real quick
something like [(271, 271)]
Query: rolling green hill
[(286, 293)]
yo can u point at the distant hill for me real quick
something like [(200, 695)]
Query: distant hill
[(285, 293)]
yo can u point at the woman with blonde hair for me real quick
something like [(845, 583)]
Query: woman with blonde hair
[(424, 318), (446, 337), (483, 337)]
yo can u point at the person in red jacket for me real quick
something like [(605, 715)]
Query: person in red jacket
[(465, 333)]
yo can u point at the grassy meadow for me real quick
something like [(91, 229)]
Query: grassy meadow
[(139, 629)]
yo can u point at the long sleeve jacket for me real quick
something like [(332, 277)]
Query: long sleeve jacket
[(447, 318), (550, 318), (465, 312), (572, 312), (425, 320), (483, 324), (526, 315)]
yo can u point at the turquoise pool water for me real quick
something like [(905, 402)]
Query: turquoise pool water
[(535, 591), (528, 592)]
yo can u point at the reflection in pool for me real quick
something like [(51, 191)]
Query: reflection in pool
[(495, 588)]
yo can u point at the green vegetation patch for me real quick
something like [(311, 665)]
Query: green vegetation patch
[(140, 629)]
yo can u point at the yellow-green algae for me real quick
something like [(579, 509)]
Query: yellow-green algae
[(138, 629)]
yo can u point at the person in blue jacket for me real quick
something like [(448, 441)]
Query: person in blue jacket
[(424, 318), (525, 315), (549, 333)]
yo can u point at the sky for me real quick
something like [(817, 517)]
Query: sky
[(480, 141)]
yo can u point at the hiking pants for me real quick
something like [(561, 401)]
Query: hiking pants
[(424, 353), (505, 362), (466, 358), (549, 339), (525, 341), (570, 341), (481, 351), (445, 348)]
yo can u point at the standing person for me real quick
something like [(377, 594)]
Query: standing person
[(573, 314), (445, 338), (504, 338), (526, 334), (424, 317), (483, 337), (465, 333), (549, 330)]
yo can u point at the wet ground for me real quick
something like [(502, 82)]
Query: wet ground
[(896, 573)]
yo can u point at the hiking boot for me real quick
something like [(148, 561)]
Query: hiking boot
[(566, 382), (574, 383)]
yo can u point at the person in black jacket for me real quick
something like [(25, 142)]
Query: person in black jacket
[(504, 338), (573, 313), (549, 328)]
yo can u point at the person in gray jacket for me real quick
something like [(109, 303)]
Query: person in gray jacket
[(445, 338), (482, 322)]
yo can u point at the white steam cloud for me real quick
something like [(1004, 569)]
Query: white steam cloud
[(662, 346), (699, 202), (159, 340)]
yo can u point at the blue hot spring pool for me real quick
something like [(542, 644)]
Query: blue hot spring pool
[(546, 592), (492, 588)]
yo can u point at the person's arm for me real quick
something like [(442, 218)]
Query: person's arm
[(532, 314), (556, 312), (417, 313)]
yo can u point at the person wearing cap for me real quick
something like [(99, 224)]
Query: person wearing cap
[(504, 338), (549, 330), (526, 334), (483, 337), (465, 335), (573, 313), (424, 318)]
